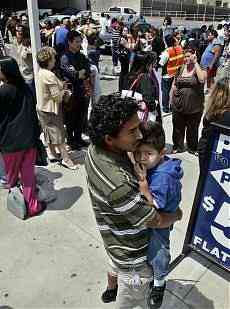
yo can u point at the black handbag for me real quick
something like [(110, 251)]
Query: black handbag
[(41, 154)]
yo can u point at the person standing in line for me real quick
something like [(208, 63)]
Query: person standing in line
[(121, 211), (210, 58), (61, 33), (24, 56), (19, 133), (158, 45), (116, 37), (188, 103), (75, 69), (171, 61), (51, 92), (124, 54)]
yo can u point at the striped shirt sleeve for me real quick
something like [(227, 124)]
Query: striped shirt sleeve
[(129, 202)]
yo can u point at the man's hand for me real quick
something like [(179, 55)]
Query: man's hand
[(164, 220), (141, 171)]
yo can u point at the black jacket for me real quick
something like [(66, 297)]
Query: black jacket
[(19, 126)]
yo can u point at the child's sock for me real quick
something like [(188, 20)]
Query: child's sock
[(159, 283)]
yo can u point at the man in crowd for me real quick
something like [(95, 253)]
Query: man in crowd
[(171, 61), (76, 70), (122, 213), (61, 36), (210, 57)]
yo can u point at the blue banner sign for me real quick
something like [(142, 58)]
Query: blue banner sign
[(211, 229)]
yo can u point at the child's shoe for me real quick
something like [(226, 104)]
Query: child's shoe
[(109, 295), (156, 296)]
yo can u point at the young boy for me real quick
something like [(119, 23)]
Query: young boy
[(159, 181), (162, 187)]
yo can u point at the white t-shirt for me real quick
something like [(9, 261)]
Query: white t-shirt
[(164, 57), (103, 24)]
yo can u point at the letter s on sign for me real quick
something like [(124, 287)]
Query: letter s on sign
[(223, 219)]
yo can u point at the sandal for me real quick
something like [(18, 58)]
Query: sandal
[(70, 165)]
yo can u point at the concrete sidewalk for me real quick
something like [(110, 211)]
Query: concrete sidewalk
[(57, 260)]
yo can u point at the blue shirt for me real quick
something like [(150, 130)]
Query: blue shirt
[(208, 55), (165, 184), (61, 35)]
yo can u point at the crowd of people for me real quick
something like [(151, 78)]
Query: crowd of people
[(132, 183)]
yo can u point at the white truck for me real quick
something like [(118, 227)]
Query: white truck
[(128, 15)]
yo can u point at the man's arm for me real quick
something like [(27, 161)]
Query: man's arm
[(164, 220), (217, 51)]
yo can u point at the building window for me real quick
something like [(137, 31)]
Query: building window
[(218, 3)]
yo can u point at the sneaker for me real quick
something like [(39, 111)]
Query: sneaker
[(156, 296), (109, 295)]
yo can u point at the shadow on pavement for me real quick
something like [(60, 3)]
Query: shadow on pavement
[(177, 285), (66, 198), (5, 307)]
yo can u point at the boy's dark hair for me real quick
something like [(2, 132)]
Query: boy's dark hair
[(214, 33), (153, 135), (108, 115), (72, 35)]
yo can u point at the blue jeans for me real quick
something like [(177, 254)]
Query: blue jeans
[(166, 85), (158, 252)]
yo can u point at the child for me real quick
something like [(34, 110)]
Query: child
[(159, 181), (163, 189)]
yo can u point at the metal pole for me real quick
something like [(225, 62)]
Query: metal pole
[(166, 6), (205, 10), (197, 11), (181, 8), (33, 14), (214, 14)]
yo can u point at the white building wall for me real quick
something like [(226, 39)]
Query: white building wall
[(78, 4), (104, 5), (213, 2)]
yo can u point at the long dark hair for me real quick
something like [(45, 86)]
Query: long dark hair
[(141, 64), (10, 69)]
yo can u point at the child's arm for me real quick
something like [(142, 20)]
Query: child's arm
[(143, 187), (143, 184)]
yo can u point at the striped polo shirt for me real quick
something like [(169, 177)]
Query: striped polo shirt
[(120, 209)]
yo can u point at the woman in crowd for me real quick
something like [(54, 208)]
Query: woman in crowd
[(51, 92), (158, 45), (142, 78), (124, 54), (188, 103), (19, 132), (24, 55), (218, 110)]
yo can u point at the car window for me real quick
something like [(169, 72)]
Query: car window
[(126, 11), (115, 9), (131, 11)]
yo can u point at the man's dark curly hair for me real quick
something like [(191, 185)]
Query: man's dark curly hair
[(108, 115), (153, 135)]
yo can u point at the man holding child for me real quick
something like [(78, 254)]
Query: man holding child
[(122, 202)]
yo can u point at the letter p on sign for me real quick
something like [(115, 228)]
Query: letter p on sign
[(223, 143)]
